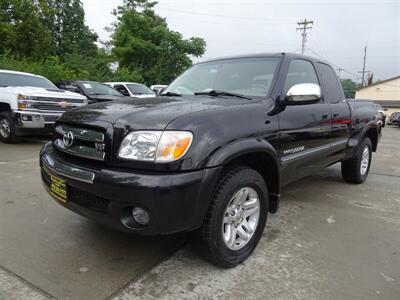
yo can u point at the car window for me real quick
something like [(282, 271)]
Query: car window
[(330, 83), (245, 76), (9, 79), (96, 88), (139, 89), (300, 71), (122, 89)]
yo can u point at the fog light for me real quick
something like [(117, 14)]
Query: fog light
[(140, 216), (25, 118)]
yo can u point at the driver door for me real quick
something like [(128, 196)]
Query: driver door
[(305, 129)]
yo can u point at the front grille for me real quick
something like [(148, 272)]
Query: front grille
[(47, 99), (81, 142), (88, 200), (51, 106)]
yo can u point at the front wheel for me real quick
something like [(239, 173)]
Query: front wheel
[(356, 169), (236, 217), (7, 129)]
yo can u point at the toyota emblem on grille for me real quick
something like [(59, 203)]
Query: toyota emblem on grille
[(68, 139)]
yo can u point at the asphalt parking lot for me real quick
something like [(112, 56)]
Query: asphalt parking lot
[(329, 240)]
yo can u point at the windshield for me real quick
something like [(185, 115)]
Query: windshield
[(139, 89), (245, 76), (9, 79), (96, 88)]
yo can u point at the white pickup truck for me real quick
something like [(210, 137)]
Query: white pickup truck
[(30, 104)]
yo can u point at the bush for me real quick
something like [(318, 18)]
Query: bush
[(74, 67)]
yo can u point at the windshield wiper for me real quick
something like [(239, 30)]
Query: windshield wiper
[(171, 94), (217, 93)]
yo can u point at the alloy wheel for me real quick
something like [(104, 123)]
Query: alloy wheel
[(241, 218)]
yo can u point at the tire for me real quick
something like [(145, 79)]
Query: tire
[(7, 129), (356, 169), (214, 234)]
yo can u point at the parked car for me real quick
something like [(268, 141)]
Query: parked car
[(158, 87), (30, 104), (380, 116), (210, 155), (132, 89), (394, 119), (94, 91)]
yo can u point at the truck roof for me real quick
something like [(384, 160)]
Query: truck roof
[(122, 82), (19, 73), (269, 54)]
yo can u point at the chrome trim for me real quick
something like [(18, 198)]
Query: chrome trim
[(305, 153), (304, 92), (80, 151), (38, 118), (81, 133), (66, 170)]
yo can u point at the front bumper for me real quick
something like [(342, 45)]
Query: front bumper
[(175, 201), (32, 122)]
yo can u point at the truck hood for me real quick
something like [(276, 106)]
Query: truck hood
[(150, 113), (41, 92), (102, 98)]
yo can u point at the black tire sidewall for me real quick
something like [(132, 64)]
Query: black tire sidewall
[(11, 138), (244, 178)]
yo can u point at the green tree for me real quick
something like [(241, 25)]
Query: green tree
[(21, 29), (66, 21), (349, 87), (143, 44)]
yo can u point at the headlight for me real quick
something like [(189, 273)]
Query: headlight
[(24, 102), (157, 146), (23, 97)]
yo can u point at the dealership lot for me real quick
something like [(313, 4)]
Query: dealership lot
[(330, 240)]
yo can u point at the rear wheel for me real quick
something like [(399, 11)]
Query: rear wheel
[(356, 170), (7, 129), (236, 218)]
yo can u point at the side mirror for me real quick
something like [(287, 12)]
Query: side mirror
[(303, 93), (71, 88)]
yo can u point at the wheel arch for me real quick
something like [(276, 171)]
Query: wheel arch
[(371, 131), (4, 107), (373, 135), (257, 154)]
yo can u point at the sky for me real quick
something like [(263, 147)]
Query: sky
[(340, 31)]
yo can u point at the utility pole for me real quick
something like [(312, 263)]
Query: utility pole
[(363, 70), (339, 69), (303, 27)]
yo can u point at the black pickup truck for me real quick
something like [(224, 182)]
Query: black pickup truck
[(212, 152)]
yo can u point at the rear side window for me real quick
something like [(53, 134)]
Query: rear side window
[(300, 71), (330, 83), (122, 89)]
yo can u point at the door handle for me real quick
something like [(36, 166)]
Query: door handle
[(325, 116), (336, 115)]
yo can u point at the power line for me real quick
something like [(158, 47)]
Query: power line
[(186, 12), (339, 69), (336, 66), (303, 26)]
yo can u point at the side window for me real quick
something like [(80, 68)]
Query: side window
[(122, 89), (300, 71), (330, 83)]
